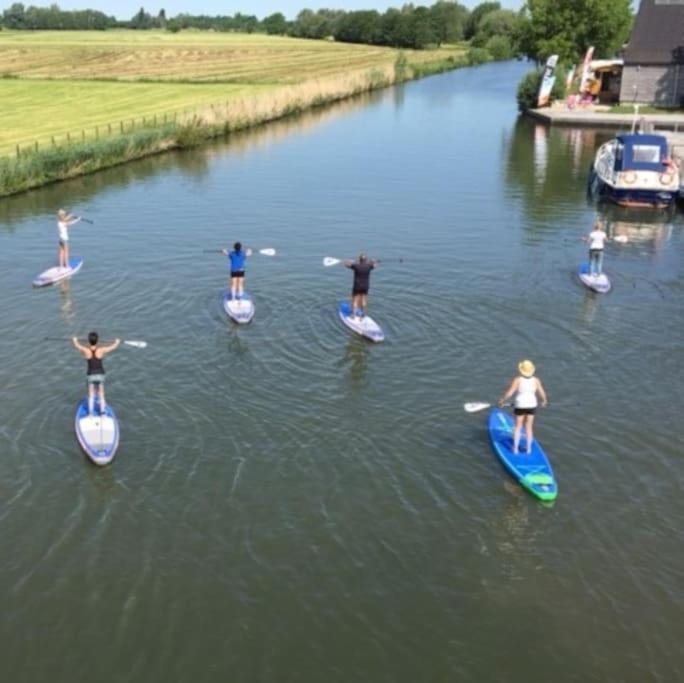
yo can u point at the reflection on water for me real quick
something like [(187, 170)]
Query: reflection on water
[(67, 304), (356, 357)]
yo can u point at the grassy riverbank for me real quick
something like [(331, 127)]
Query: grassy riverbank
[(75, 102)]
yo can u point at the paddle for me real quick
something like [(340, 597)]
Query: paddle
[(268, 251), (86, 220), (330, 261), (135, 343), (477, 406)]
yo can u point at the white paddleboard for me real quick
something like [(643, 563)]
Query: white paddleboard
[(57, 274), (597, 283), (363, 325), (97, 434), (239, 310)]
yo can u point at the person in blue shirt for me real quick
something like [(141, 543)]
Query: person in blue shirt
[(237, 259)]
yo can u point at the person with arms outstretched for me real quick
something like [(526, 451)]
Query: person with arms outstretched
[(362, 269), (96, 374), (237, 258), (525, 387), (64, 221)]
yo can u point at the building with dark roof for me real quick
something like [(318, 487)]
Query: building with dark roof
[(654, 57)]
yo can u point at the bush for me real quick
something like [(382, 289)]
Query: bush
[(478, 55), (528, 88), (500, 48)]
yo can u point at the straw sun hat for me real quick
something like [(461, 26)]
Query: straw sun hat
[(526, 368), (62, 214)]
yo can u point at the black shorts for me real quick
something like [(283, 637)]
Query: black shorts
[(524, 411), (359, 291), (237, 273)]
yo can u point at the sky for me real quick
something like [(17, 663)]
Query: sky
[(124, 9)]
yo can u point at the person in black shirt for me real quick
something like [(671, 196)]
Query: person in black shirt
[(94, 353), (362, 269)]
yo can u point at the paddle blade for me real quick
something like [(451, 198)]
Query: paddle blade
[(475, 407), (136, 344), (268, 252), (330, 261)]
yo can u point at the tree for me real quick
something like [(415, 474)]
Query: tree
[(141, 20), (275, 24), (15, 16), (477, 15), (568, 27), (448, 21), (363, 26), (500, 22)]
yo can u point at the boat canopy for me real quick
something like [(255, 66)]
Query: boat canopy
[(638, 152)]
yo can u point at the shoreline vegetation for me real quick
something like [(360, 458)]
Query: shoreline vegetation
[(37, 165), (83, 91)]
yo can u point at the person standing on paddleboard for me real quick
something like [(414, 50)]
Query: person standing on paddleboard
[(362, 269), (96, 374), (596, 238), (64, 220), (237, 259), (525, 387)]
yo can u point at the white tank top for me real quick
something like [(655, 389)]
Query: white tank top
[(526, 397), (63, 230)]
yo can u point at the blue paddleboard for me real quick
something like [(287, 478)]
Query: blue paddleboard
[(239, 310), (363, 325), (597, 283), (533, 472), (56, 274), (98, 434)]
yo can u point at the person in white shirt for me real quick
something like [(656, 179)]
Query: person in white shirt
[(525, 387), (64, 220), (596, 238)]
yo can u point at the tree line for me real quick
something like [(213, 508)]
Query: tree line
[(539, 29), (488, 26)]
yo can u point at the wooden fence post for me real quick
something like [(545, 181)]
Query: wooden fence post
[(109, 127), (36, 145), (121, 125), (54, 144), (82, 134), (68, 138), (18, 152)]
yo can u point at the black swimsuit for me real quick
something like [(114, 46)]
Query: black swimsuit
[(95, 366)]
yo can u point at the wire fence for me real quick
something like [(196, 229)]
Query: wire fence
[(94, 133)]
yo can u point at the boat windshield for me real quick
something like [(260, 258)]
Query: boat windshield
[(646, 154)]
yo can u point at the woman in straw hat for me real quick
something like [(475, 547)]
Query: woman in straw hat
[(525, 387), (64, 220)]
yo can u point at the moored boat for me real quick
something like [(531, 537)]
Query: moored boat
[(635, 170)]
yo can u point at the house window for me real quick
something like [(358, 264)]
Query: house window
[(646, 154)]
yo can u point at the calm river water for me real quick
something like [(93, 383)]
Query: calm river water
[(290, 503)]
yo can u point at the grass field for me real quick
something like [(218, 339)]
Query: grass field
[(188, 56), (58, 82)]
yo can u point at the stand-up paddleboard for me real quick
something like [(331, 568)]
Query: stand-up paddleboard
[(97, 434), (56, 274), (239, 310), (364, 325), (597, 283), (533, 471)]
